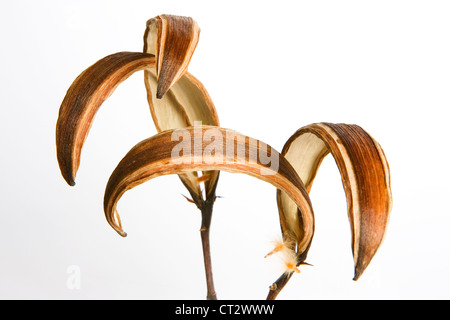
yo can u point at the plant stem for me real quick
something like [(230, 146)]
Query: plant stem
[(278, 285), (206, 210), (205, 205)]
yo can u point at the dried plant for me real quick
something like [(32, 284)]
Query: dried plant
[(176, 99), (191, 144), (365, 177)]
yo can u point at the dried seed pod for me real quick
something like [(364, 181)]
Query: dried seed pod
[(185, 100), (365, 176), (84, 97), (216, 149), (173, 39), (230, 151)]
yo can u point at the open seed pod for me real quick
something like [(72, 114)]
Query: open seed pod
[(212, 148), (183, 99), (365, 176), (173, 39)]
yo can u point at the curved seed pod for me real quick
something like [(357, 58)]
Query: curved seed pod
[(94, 85), (212, 148), (173, 39), (365, 176), (84, 98)]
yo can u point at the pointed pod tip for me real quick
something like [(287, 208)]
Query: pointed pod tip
[(122, 233), (361, 266), (358, 274), (159, 95), (161, 90), (70, 181), (67, 173)]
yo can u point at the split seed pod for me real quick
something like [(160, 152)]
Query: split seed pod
[(365, 176), (182, 99), (172, 40), (211, 148)]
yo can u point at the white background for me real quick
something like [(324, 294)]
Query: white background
[(271, 67)]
